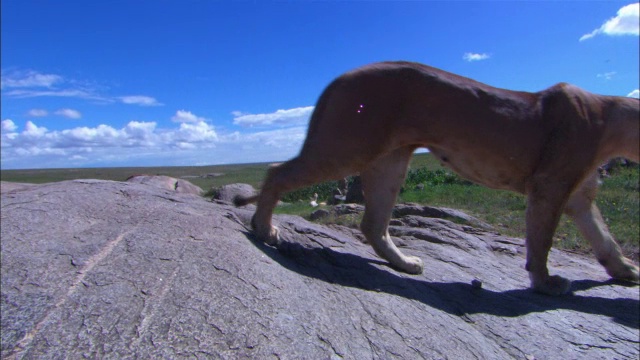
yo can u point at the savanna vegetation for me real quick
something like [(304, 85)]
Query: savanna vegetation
[(427, 182)]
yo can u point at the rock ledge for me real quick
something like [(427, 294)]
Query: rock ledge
[(103, 269)]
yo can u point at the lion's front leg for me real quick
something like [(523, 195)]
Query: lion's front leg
[(381, 183), (544, 206)]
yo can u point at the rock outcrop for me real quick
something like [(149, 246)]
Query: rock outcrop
[(167, 183), (102, 269), (439, 212), (229, 192)]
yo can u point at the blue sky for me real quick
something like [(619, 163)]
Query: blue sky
[(162, 83)]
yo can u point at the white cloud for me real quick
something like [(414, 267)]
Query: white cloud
[(69, 113), (607, 76), (183, 116), (28, 78), (32, 130), (68, 93), (103, 135), (634, 94), (288, 117), (196, 132), (141, 100), (140, 129), (626, 22), (279, 138), (37, 113), (9, 126), (475, 56), (190, 141), (263, 146), (199, 135), (36, 146), (23, 84)]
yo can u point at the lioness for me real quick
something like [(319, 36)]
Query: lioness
[(547, 145)]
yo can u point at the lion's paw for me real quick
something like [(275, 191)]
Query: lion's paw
[(273, 236), (267, 233), (626, 271), (552, 285), (412, 265)]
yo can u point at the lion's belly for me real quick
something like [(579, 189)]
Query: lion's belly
[(497, 172)]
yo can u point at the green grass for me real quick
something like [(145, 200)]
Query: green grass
[(618, 198), (619, 202)]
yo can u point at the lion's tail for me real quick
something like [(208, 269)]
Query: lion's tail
[(242, 200)]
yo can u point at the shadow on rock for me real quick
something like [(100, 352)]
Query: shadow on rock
[(455, 298)]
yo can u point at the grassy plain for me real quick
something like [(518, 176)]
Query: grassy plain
[(618, 197), (218, 174)]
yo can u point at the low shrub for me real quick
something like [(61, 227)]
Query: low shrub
[(414, 177), (429, 177)]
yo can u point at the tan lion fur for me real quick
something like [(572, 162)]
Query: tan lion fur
[(547, 145)]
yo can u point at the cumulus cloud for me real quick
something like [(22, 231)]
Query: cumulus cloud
[(37, 113), (36, 146), (141, 100), (190, 140), (34, 131), (140, 129), (626, 22), (184, 116), (634, 94), (288, 117), (82, 137), (69, 113), (475, 56), (8, 126), (199, 132)]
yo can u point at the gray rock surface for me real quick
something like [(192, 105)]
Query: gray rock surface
[(439, 212), (344, 209), (10, 186), (102, 269), (167, 183), (228, 192), (319, 214)]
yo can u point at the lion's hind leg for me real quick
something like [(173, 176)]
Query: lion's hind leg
[(293, 174), (585, 214), (381, 182), (279, 179)]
